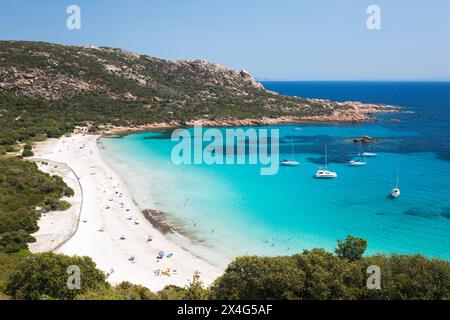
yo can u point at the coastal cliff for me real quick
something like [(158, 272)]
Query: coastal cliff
[(115, 88)]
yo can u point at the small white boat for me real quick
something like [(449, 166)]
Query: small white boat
[(395, 193), (368, 154), (324, 173), (289, 163), (356, 163), (363, 153)]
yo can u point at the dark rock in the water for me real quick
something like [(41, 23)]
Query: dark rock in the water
[(365, 139), (395, 120)]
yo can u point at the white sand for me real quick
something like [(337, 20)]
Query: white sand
[(102, 188), (56, 227)]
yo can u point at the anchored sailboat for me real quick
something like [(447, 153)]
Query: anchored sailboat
[(292, 162), (395, 193), (324, 173), (359, 162), (367, 154)]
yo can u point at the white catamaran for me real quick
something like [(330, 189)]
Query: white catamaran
[(323, 173)]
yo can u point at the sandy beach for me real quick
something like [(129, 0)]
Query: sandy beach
[(111, 230), (57, 227)]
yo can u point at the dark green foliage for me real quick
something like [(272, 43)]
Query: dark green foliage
[(260, 278), (13, 241), (352, 249), (195, 290), (409, 277), (123, 291), (314, 274), (328, 277), (325, 276), (44, 276), (311, 275), (8, 263), (23, 188), (26, 119), (133, 292), (172, 292), (127, 291), (27, 150)]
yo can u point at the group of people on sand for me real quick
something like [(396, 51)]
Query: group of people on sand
[(158, 272), (118, 197), (167, 271)]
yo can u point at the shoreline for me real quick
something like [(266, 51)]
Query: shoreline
[(109, 213), (359, 113), (57, 227), (156, 127)]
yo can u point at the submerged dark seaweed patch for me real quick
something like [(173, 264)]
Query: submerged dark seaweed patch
[(421, 212), (160, 136), (446, 213)]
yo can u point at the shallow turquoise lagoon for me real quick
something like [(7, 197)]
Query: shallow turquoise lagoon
[(232, 210)]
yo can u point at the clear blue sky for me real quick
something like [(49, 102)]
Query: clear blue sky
[(278, 39)]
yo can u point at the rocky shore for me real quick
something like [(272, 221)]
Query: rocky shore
[(351, 111)]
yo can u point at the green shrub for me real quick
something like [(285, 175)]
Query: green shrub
[(352, 248), (23, 188), (317, 274), (45, 276), (27, 153)]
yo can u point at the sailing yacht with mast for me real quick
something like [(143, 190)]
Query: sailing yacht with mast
[(367, 154), (359, 162), (395, 193), (324, 173), (292, 162)]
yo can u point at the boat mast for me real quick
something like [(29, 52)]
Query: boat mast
[(326, 158), (361, 150), (396, 186), (292, 147)]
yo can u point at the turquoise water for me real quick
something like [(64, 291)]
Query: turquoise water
[(232, 210)]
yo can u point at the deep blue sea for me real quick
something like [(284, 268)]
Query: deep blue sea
[(231, 210)]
